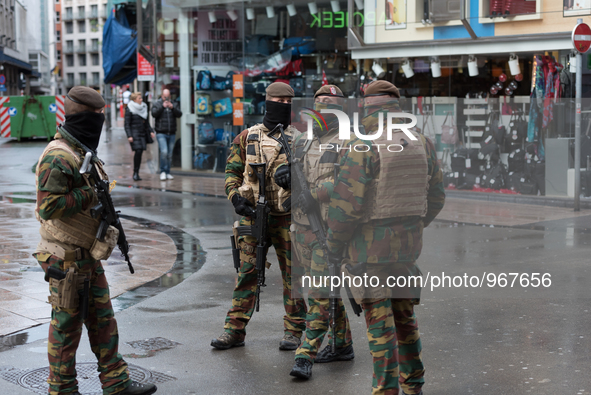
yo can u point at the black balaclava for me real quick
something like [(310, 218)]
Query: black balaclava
[(86, 127), (277, 113)]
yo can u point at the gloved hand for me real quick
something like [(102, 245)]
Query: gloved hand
[(306, 201), (283, 176), (243, 206)]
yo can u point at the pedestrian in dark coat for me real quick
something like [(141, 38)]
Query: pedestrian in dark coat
[(138, 130)]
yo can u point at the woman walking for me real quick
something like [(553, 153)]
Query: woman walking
[(138, 130)]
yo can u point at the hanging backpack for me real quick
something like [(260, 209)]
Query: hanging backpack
[(449, 133), (492, 124), (494, 177), (300, 45), (259, 44), (203, 80), (203, 104), (203, 161), (516, 160), (205, 133), (222, 107)]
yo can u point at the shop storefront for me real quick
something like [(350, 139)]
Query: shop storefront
[(475, 72)]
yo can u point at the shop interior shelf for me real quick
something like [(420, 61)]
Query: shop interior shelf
[(475, 111), (475, 123)]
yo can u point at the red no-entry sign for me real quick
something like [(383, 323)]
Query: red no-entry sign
[(582, 37)]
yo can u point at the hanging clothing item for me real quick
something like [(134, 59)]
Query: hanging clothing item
[(551, 76)]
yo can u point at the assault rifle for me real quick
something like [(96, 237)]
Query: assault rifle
[(316, 226), (259, 229), (105, 208)]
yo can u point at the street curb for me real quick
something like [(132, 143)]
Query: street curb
[(519, 199)]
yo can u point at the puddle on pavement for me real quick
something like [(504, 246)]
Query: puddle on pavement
[(190, 258)]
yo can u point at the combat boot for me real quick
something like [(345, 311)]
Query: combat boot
[(341, 354), (302, 369), (226, 341), (289, 342), (136, 388)]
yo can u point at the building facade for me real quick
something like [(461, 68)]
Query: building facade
[(81, 37), (14, 55)]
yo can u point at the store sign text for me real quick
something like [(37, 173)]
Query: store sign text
[(337, 20)]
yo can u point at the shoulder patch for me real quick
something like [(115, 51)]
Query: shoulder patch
[(57, 182), (253, 137)]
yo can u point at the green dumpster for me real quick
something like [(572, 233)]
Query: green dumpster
[(30, 116)]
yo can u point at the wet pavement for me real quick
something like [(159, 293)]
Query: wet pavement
[(485, 340)]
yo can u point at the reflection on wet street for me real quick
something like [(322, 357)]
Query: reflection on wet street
[(496, 338)]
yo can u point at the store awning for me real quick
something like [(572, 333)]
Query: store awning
[(7, 59), (486, 45)]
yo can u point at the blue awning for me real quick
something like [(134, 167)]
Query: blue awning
[(26, 67)]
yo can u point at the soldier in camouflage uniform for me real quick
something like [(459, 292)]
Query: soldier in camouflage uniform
[(254, 146), (64, 198), (380, 205), (319, 170)]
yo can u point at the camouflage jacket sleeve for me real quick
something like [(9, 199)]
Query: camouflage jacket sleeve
[(436, 194), (357, 169), (62, 191), (235, 164)]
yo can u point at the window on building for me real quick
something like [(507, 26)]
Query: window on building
[(57, 16), (94, 11), (95, 44), (82, 27), (94, 27), (58, 35), (83, 79), (81, 12), (70, 60), (96, 79), (69, 46), (82, 45), (95, 59), (69, 27), (70, 79), (58, 55), (82, 59), (69, 14)]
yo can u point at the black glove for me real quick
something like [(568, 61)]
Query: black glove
[(306, 201), (283, 176), (243, 206)]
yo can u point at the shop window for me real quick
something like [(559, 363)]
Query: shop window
[(440, 12), (509, 11)]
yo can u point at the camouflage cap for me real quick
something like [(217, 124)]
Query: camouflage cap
[(86, 96), (280, 89), (329, 90), (382, 88)]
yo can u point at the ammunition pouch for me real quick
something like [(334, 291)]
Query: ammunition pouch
[(102, 249)]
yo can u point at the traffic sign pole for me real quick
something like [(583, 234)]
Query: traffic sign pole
[(581, 38)]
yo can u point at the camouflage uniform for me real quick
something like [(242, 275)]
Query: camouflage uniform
[(61, 194), (310, 254), (243, 297), (392, 328)]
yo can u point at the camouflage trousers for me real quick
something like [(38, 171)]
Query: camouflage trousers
[(395, 346), (244, 295), (309, 255), (66, 329)]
